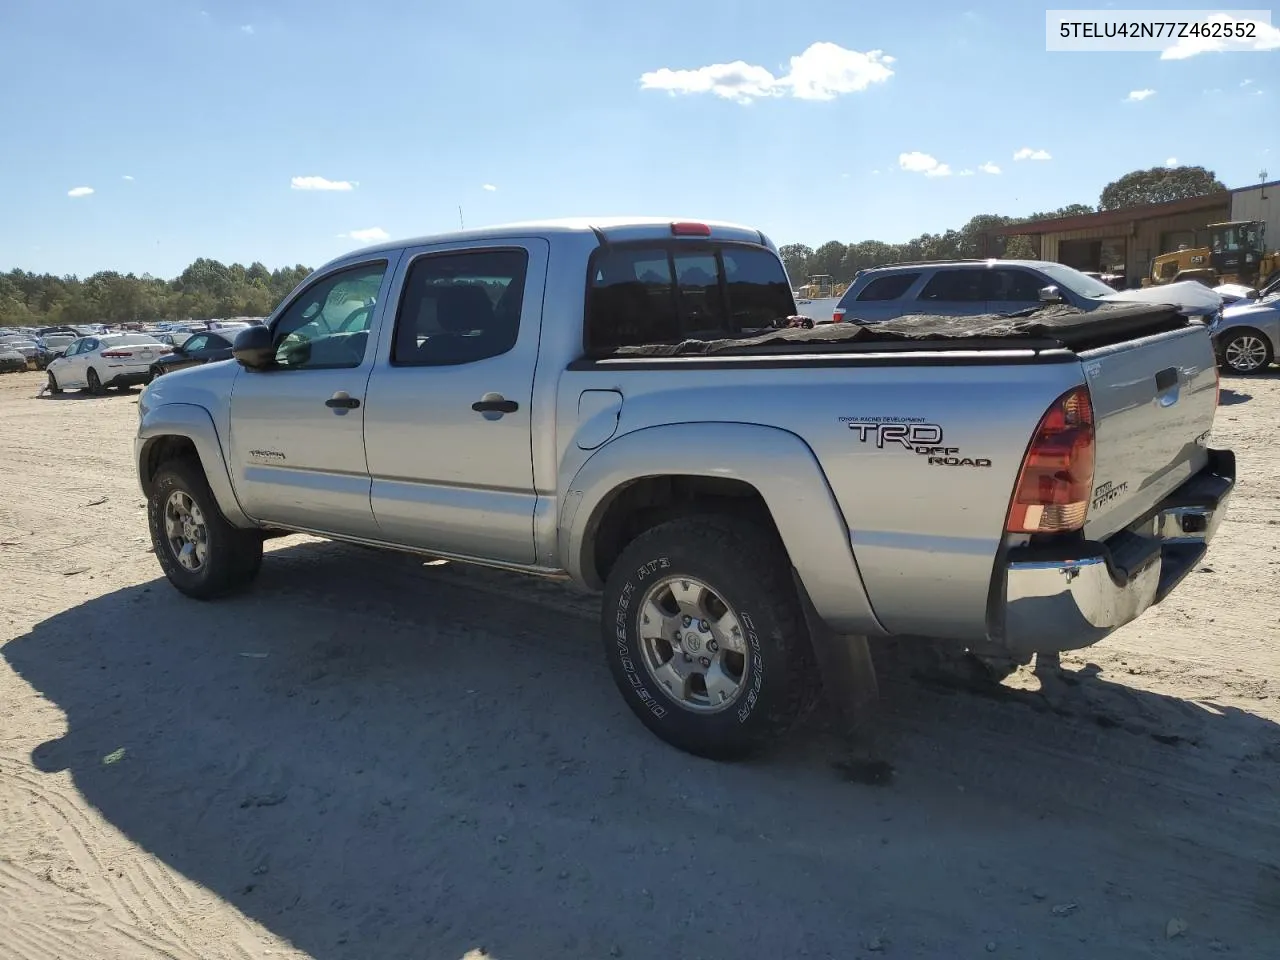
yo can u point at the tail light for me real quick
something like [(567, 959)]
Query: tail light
[(838, 315), (689, 229), (1056, 479), (117, 354)]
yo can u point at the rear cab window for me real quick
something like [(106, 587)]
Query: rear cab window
[(657, 292)]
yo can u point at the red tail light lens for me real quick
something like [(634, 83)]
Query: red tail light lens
[(686, 229), (117, 354), (1056, 479), (838, 316)]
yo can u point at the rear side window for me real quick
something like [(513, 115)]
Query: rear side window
[(641, 294), (460, 307), (954, 285), (890, 287)]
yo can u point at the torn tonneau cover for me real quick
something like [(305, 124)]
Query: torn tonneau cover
[(1055, 326)]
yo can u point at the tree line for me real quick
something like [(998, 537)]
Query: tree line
[(208, 289), (205, 290)]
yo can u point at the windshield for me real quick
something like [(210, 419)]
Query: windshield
[(1073, 280), (1232, 239)]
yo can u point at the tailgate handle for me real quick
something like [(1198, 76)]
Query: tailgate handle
[(1166, 379)]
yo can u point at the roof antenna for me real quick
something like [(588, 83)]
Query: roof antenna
[(461, 223)]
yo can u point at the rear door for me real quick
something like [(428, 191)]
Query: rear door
[(952, 292), (448, 427), (1153, 403)]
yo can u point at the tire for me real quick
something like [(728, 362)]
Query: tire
[(155, 373), (1245, 351), (94, 384), (745, 570), (53, 383), (232, 557)]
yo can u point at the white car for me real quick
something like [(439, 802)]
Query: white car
[(120, 360)]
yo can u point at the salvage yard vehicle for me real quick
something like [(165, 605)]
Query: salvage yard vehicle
[(94, 363), (1236, 253), (614, 402), (961, 288), (191, 352), (11, 361), (1247, 336)]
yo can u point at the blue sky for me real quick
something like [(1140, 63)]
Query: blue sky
[(191, 119)]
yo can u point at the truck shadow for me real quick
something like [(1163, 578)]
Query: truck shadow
[(373, 758)]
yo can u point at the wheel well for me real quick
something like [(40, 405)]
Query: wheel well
[(650, 501), (160, 451)]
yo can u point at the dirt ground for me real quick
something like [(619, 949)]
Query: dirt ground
[(367, 757)]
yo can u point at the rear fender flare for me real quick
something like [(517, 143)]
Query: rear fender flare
[(778, 464), (191, 422)]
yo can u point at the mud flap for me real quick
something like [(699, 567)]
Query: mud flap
[(848, 673)]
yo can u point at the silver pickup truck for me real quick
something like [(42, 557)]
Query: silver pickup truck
[(624, 404)]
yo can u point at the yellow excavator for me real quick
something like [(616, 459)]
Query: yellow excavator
[(820, 287), (1236, 253)]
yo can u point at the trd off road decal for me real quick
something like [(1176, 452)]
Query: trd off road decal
[(913, 434)]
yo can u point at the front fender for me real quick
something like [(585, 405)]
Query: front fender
[(776, 463), (194, 423)]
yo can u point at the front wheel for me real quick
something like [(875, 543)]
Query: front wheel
[(201, 553), (705, 636), (1246, 351)]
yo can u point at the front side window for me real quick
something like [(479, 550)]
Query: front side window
[(656, 293), (327, 326), (1011, 286), (460, 307), (964, 286), (198, 342)]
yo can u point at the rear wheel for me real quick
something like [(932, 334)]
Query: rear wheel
[(53, 383), (95, 385), (1246, 351), (706, 638), (201, 553)]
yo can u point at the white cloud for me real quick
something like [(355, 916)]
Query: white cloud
[(1245, 83), (1137, 96), (320, 183), (1171, 162), (368, 235), (1264, 37), (875, 173), (1026, 153), (247, 28), (988, 167), (823, 72), (965, 173), (917, 162), (490, 187), (126, 177), (79, 191)]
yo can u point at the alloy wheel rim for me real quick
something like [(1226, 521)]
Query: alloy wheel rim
[(185, 531)]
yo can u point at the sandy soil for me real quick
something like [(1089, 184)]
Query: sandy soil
[(367, 757)]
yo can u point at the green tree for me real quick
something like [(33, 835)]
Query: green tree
[(1020, 247), (1158, 185), (796, 257)]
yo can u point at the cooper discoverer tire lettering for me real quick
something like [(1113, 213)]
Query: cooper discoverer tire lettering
[(201, 553), (706, 638)]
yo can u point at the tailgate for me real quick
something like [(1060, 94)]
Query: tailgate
[(1153, 406)]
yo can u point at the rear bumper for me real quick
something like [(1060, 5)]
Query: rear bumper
[(131, 378), (1068, 597)]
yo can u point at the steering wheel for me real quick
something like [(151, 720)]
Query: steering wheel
[(349, 319)]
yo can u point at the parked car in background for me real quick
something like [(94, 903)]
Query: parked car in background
[(964, 288), (1247, 336), (11, 360), (194, 350), (24, 345), (120, 360)]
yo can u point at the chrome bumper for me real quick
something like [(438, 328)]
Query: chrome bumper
[(1065, 598)]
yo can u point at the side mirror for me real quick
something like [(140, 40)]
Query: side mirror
[(1050, 294), (254, 348)]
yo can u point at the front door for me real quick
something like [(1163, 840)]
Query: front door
[(448, 428), (297, 429), (1010, 289)]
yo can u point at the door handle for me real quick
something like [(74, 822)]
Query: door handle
[(495, 404), (342, 401)]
